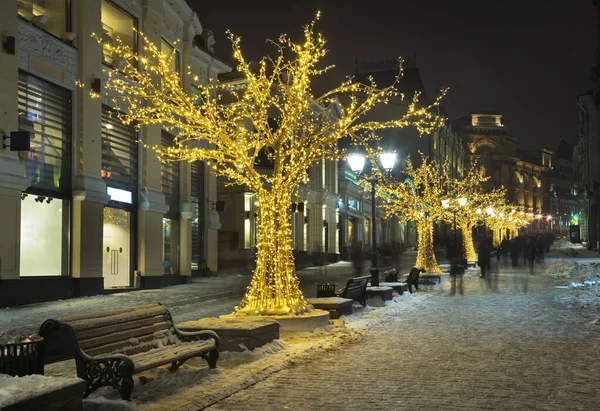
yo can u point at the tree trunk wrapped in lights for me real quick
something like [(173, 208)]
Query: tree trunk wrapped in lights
[(269, 112), (475, 202), (418, 198)]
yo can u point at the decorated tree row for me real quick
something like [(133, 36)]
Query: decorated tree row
[(276, 100)]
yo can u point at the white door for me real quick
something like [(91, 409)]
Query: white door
[(115, 265)]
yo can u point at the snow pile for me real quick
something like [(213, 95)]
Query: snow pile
[(15, 389), (559, 269), (161, 389), (562, 244)]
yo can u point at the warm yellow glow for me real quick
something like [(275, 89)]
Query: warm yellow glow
[(207, 126), (420, 198)]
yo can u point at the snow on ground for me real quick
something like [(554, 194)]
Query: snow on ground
[(562, 244), (15, 389), (239, 370)]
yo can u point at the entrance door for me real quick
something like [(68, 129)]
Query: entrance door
[(115, 265)]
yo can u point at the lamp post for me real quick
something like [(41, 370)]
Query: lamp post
[(357, 163), (446, 204)]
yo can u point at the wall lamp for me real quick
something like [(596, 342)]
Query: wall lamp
[(40, 199)]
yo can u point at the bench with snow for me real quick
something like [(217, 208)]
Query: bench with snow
[(110, 346), (355, 289), (412, 280)]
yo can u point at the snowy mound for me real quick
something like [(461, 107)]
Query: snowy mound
[(562, 244)]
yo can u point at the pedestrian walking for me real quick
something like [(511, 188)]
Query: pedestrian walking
[(484, 256), (455, 255), (358, 258), (531, 254), (515, 249)]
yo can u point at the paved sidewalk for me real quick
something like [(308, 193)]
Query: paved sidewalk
[(204, 297), (483, 351)]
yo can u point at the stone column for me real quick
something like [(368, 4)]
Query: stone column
[(12, 179), (152, 205), (185, 171), (89, 190)]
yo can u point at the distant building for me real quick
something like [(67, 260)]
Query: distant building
[(520, 172), (562, 190), (587, 168)]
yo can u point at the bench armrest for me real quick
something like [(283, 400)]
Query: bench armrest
[(188, 336)]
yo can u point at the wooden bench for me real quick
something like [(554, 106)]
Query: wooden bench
[(356, 289), (412, 280), (110, 346)]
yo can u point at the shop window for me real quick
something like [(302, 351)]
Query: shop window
[(117, 25), (169, 178), (170, 52), (119, 152), (170, 246), (44, 236), (51, 16), (45, 111)]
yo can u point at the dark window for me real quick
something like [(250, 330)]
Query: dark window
[(119, 152), (45, 110), (169, 179)]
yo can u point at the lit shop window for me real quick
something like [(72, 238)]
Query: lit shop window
[(49, 15), (44, 235), (117, 25)]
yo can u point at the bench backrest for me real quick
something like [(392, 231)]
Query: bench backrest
[(413, 275), (356, 287), (126, 331)]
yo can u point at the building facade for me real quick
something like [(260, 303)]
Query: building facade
[(562, 196), (88, 208), (520, 172)]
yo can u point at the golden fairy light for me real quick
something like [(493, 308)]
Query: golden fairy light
[(419, 198), (470, 188), (289, 125)]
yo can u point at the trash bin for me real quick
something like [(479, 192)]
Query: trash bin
[(22, 358), (326, 290)]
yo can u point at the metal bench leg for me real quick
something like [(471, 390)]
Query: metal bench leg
[(212, 358), (126, 388)]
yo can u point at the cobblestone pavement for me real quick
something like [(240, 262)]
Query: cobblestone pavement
[(506, 350)]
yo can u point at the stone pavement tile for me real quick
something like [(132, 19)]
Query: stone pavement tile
[(483, 351)]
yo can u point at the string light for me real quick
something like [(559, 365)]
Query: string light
[(147, 91), (418, 198)]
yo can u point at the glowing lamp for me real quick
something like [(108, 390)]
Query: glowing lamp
[(387, 161), (478, 211), (445, 203), (356, 163), (462, 201)]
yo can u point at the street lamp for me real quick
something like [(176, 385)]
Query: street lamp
[(461, 202), (357, 163)]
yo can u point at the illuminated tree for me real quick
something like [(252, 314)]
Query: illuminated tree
[(418, 198), (269, 113), (466, 196)]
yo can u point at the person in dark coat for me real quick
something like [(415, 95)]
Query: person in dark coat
[(358, 258), (484, 256), (515, 249), (531, 254), (455, 255)]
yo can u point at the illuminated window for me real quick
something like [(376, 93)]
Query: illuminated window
[(117, 24), (44, 236), (50, 15)]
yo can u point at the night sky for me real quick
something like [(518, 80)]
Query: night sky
[(527, 59)]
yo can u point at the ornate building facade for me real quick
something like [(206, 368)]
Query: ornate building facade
[(521, 173), (87, 208)]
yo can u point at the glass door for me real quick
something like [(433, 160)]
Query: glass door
[(115, 263)]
